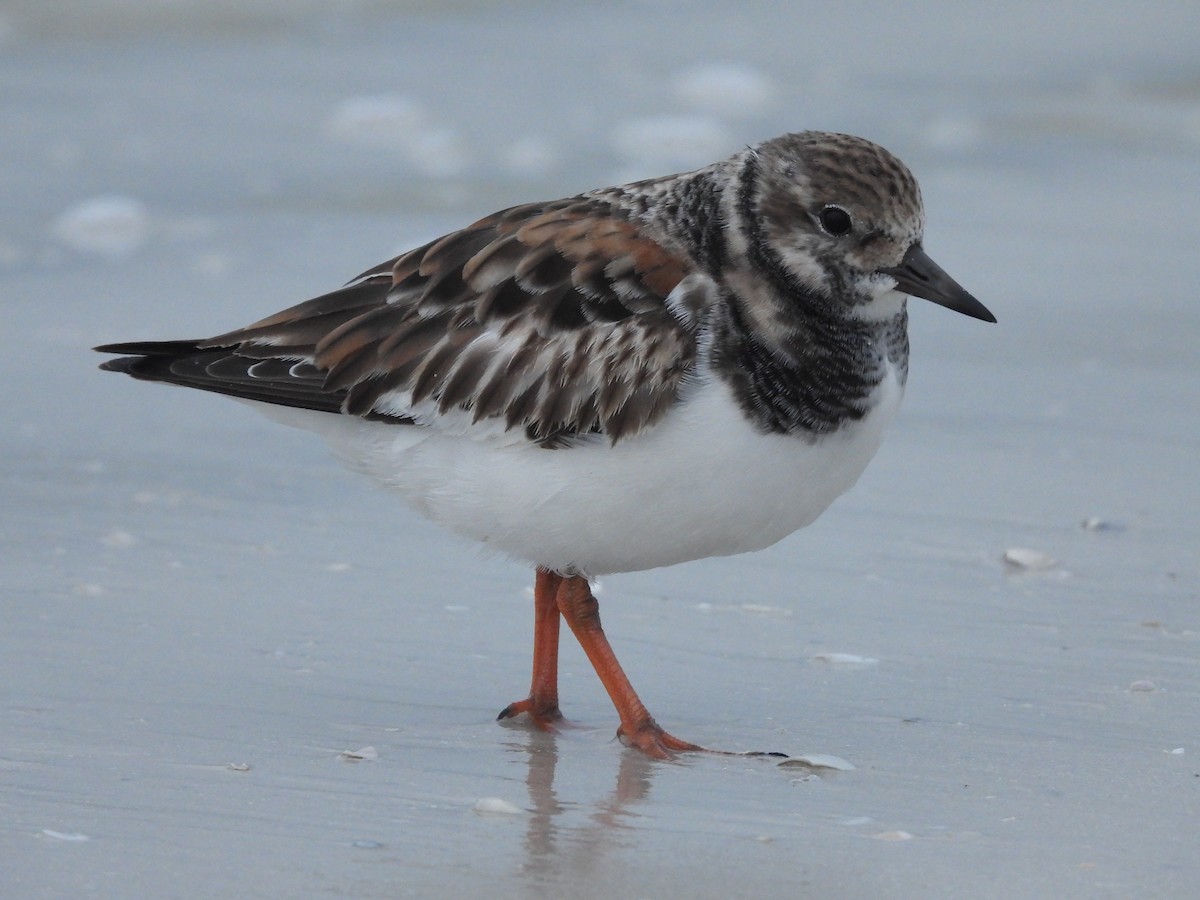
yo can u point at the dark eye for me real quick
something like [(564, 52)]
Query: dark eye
[(836, 221)]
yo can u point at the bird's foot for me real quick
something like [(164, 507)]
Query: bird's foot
[(653, 741), (545, 716), (650, 738)]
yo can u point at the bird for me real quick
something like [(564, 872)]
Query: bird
[(637, 376)]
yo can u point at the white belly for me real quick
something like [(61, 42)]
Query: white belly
[(701, 483)]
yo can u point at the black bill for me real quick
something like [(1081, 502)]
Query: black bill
[(919, 276)]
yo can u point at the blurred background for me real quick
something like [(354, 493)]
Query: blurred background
[(185, 586)]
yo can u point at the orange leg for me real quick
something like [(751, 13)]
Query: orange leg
[(542, 703), (638, 728)]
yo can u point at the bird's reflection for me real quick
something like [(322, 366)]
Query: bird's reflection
[(554, 846)]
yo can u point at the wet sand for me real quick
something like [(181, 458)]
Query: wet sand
[(230, 668)]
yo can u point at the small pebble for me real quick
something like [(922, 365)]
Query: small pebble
[(366, 753), (818, 761), (1143, 687), (240, 767), (495, 806), (1028, 560)]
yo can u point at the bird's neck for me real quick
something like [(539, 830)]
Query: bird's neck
[(810, 385)]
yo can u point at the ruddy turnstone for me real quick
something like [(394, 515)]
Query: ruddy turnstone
[(687, 366)]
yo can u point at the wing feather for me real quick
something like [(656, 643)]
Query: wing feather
[(556, 318)]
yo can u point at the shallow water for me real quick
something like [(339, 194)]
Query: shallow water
[(202, 612)]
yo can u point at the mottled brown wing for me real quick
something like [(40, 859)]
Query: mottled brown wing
[(549, 317)]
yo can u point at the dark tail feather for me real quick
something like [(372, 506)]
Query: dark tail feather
[(220, 370), (224, 371), (151, 348), (148, 352)]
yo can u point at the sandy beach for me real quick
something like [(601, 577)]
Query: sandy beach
[(230, 668)]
